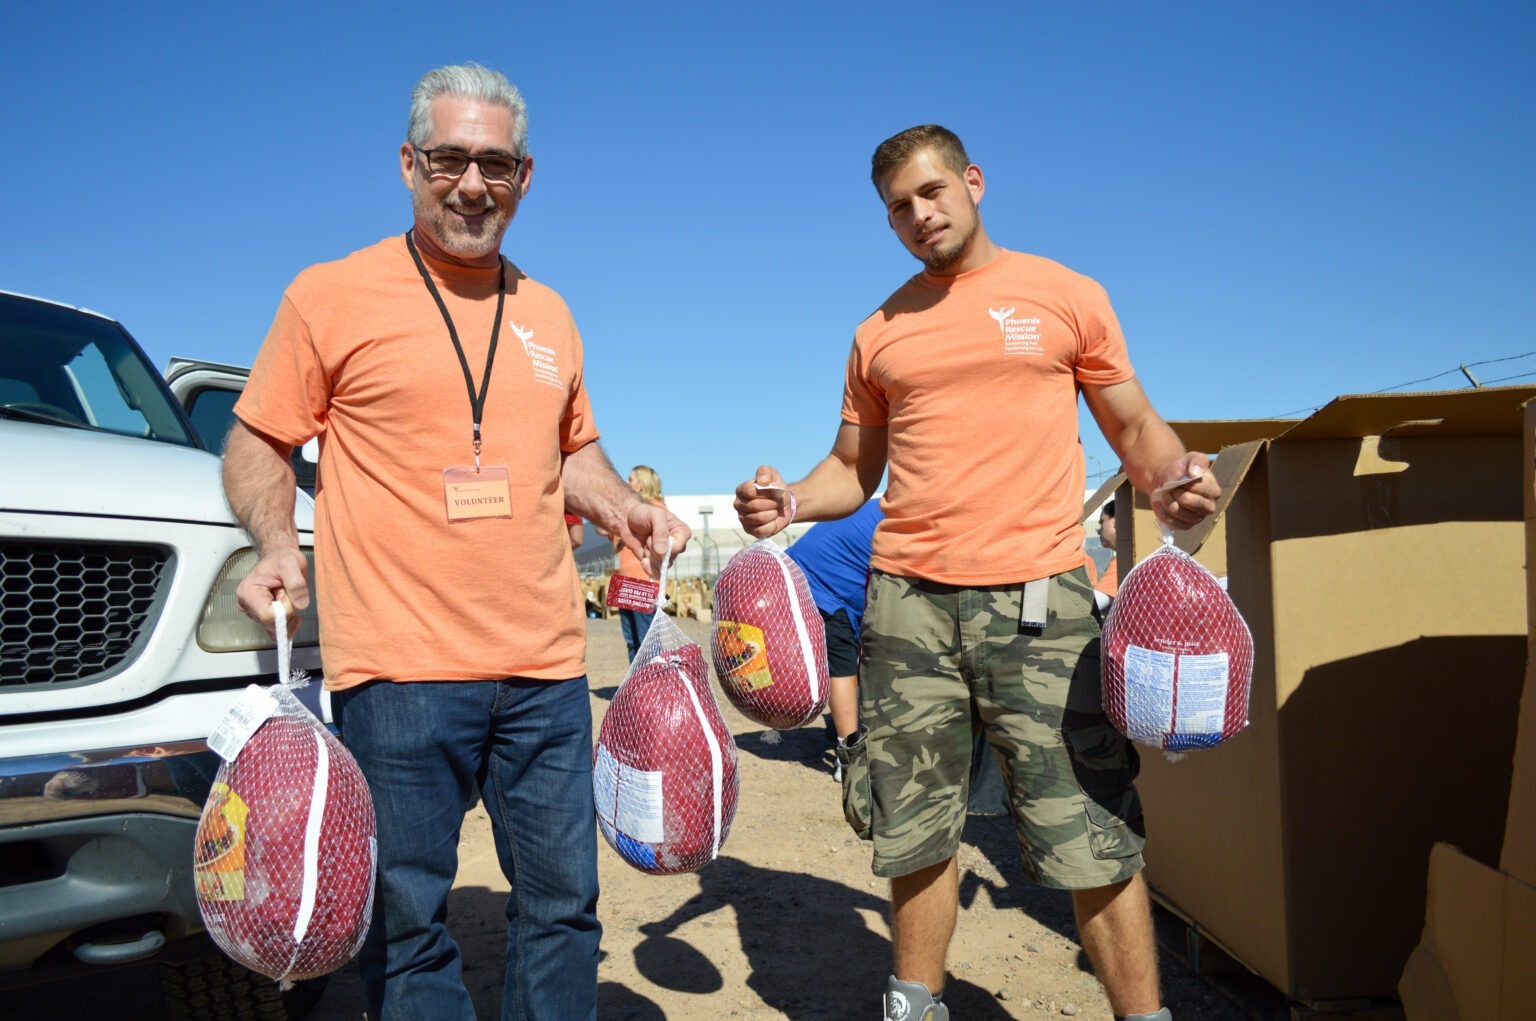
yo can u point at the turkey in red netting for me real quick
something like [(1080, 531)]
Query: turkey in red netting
[(769, 644), (1177, 656), (285, 853), (664, 777)]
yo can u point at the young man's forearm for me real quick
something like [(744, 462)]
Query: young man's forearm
[(845, 478), (831, 490)]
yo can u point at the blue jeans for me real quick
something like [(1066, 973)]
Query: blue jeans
[(634, 625), (426, 747)]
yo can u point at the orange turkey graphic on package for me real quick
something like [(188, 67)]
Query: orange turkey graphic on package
[(741, 657)]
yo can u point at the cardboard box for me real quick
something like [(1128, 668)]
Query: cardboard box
[(1519, 855), (1376, 550), (1240, 440), (1476, 959), (1478, 955)]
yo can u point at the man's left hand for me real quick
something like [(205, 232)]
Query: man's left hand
[(1185, 492)]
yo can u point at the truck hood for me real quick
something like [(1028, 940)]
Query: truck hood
[(59, 470)]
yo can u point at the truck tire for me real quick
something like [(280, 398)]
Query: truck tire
[(214, 988)]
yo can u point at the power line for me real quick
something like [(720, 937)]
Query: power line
[(1506, 358), (1460, 369), (1452, 372), (1505, 379), (1298, 411), (1415, 382)]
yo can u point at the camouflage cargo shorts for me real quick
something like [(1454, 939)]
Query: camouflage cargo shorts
[(942, 662)]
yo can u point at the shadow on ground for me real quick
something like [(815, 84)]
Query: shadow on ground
[(810, 951)]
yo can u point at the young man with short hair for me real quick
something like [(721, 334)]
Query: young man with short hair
[(964, 384)]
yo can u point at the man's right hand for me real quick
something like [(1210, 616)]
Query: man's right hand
[(764, 504), (1185, 492), (279, 574)]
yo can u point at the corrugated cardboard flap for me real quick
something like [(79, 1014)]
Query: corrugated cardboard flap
[(1212, 435), (1101, 494), (1489, 411), (1519, 854), (1230, 468), (1473, 963)]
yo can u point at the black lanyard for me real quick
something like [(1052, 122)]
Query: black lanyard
[(476, 400)]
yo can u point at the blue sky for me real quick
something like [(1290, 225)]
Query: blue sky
[(1286, 202)]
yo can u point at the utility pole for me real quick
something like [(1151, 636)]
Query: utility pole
[(1468, 373), (707, 546)]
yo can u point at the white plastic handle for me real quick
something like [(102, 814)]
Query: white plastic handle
[(1164, 530), (284, 642), (666, 561)]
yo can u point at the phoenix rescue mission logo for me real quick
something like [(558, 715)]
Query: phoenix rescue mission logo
[(545, 368), (1021, 336)]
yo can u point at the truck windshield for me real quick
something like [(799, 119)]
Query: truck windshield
[(70, 368)]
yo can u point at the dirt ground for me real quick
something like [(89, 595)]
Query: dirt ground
[(789, 922)]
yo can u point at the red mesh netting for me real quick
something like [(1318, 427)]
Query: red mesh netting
[(769, 645), (286, 849), (1177, 656), (664, 770)]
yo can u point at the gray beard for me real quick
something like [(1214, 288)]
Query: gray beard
[(469, 246), (458, 242)]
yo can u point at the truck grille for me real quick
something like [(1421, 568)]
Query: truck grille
[(74, 611)]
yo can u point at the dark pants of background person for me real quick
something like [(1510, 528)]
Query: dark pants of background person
[(634, 625)]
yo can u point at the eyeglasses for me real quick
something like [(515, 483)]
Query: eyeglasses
[(452, 163)]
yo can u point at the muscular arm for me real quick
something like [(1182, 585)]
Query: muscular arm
[(595, 491), (838, 485), (1152, 453), (259, 485)]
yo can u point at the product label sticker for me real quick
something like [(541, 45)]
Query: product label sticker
[(744, 655), (471, 494), (1148, 692), (628, 800), (247, 713), (636, 594), (1202, 698), (220, 859)]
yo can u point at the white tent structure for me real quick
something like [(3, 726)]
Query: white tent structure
[(717, 535)]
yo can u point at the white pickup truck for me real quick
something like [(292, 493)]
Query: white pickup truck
[(120, 648)]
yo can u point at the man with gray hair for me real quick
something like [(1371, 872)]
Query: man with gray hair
[(452, 618)]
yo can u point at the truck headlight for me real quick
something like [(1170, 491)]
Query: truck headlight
[(225, 629)]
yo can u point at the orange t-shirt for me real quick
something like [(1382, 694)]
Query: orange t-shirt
[(359, 355), (977, 378), (1109, 581)]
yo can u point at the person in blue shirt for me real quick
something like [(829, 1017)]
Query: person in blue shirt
[(834, 556)]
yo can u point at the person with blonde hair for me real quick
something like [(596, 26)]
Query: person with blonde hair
[(643, 480)]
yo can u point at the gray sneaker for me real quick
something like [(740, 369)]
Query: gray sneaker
[(911, 1001), (1163, 1015)]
